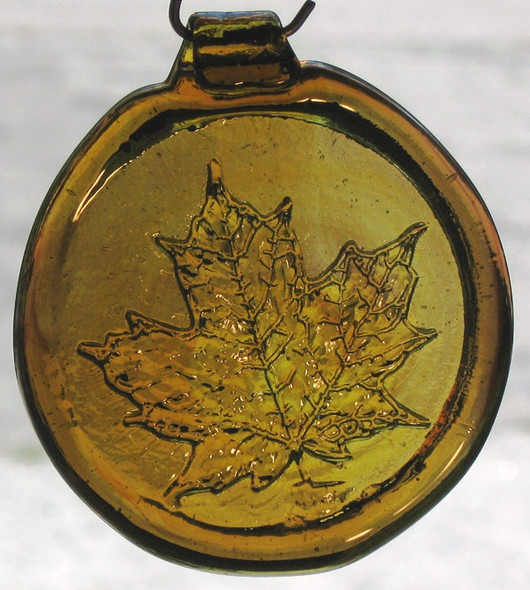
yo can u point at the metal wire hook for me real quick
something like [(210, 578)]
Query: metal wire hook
[(300, 18), (290, 29)]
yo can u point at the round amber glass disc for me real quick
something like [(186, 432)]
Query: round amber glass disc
[(262, 332)]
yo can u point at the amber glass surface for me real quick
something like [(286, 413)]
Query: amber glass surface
[(262, 330)]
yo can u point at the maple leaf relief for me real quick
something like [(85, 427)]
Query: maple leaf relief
[(273, 364)]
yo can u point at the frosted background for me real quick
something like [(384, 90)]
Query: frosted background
[(462, 68)]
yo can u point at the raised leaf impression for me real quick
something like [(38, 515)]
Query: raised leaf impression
[(274, 364)]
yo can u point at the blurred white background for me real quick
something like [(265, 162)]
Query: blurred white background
[(462, 68)]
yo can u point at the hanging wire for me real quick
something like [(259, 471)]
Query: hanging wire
[(290, 29)]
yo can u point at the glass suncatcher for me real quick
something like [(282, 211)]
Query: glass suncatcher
[(264, 320)]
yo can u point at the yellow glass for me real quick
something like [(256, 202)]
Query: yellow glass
[(264, 319)]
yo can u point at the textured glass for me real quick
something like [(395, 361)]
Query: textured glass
[(262, 329)]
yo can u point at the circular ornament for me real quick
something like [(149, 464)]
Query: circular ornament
[(263, 320)]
